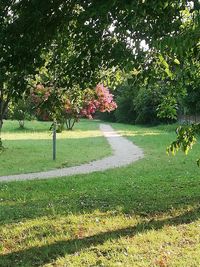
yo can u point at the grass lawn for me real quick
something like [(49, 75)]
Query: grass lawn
[(146, 214), (30, 149)]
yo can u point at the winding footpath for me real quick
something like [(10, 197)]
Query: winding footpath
[(124, 153)]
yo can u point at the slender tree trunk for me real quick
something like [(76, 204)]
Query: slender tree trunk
[(70, 123), (3, 109), (73, 124), (1, 125), (21, 124), (67, 124), (1, 114)]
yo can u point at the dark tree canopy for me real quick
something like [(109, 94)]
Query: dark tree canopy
[(29, 26)]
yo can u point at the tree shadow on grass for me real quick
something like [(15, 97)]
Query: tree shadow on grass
[(37, 256), (85, 194)]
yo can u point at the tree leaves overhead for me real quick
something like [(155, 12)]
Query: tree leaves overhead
[(29, 26), (100, 34)]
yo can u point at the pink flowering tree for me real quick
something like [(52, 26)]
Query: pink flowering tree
[(105, 99), (72, 103), (100, 100), (68, 107)]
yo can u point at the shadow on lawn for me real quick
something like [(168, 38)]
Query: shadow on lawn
[(75, 195), (37, 256)]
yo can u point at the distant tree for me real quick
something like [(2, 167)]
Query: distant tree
[(20, 111)]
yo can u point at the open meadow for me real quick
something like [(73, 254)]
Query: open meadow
[(145, 214)]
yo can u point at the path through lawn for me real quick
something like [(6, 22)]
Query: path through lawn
[(124, 153)]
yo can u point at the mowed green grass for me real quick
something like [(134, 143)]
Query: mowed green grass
[(145, 214), (30, 149)]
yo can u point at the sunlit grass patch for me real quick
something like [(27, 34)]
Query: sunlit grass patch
[(144, 215), (135, 133), (30, 150), (102, 238)]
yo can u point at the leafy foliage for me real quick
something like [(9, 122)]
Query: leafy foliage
[(168, 108), (21, 111), (125, 112), (186, 138), (67, 106), (147, 100), (146, 103)]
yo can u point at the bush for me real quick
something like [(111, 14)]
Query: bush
[(125, 111), (145, 105), (20, 111), (140, 104), (106, 116)]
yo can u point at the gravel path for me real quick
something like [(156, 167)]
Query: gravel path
[(124, 152)]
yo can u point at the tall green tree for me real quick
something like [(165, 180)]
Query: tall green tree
[(102, 34)]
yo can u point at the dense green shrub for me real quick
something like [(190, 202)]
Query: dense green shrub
[(106, 116), (145, 105), (141, 104), (125, 111)]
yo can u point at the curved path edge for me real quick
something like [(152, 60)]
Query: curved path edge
[(124, 153)]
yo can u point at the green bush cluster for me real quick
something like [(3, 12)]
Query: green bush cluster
[(140, 105)]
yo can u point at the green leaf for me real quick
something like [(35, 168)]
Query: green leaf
[(163, 61), (168, 72), (176, 61)]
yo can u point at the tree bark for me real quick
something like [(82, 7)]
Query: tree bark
[(70, 123), (21, 124), (1, 117), (1, 125), (3, 109)]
